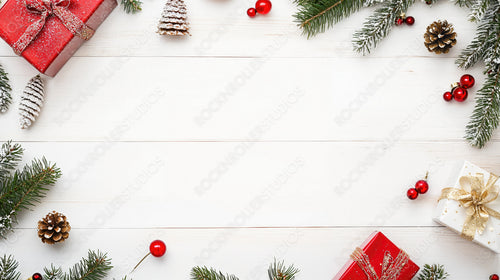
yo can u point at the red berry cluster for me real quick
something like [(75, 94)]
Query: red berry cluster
[(421, 187), (404, 19), (261, 7), (494, 277), (459, 90)]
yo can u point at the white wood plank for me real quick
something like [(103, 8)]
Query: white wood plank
[(319, 253), (135, 185), (222, 28), (178, 99)]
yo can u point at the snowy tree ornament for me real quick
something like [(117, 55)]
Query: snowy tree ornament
[(5, 89), (31, 101), (173, 20)]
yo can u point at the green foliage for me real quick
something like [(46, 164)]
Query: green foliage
[(95, 267), (432, 272), (23, 189), (5, 90), (378, 25), (10, 156), (278, 271), (315, 16), (204, 273), (485, 47), (8, 268), (53, 273), (131, 6)]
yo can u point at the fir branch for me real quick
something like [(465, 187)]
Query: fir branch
[(52, 273), (479, 8), (95, 267), (378, 25), (486, 115), (23, 189), (316, 16), (10, 156), (131, 6), (5, 90), (8, 268), (465, 3), (278, 271), (433, 272), (204, 273)]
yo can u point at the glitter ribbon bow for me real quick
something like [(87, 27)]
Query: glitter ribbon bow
[(391, 268), (474, 197), (47, 8)]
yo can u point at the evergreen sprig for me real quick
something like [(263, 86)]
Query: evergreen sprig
[(131, 6), (53, 273), (277, 271), (8, 268), (23, 189), (486, 47), (378, 25), (5, 90), (10, 156), (95, 267), (316, 16), (205, 273), (433, 272)]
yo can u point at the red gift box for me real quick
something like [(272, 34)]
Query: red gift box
[(375, 253), (48, 32)]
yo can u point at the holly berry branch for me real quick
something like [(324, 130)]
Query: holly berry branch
[(277, 271)]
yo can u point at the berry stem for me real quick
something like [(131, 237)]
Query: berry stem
[(137, 265)]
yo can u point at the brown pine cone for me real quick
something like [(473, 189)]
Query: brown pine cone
[(440, 37), (53, 228)]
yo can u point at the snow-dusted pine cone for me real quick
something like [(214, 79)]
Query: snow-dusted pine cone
[(5, 89), (174, 19), (53, 228), (31, 101), (440, 37)]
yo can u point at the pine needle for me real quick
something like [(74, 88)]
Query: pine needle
[(10, 156), (8, 268), (5, 91), (131, 6), (278, 271), (204, 273), (433, 272), (95, 267)]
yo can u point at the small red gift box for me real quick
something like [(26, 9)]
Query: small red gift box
[(377, 257), (48, 32)]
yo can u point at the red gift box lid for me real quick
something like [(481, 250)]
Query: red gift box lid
[(15, 18), (375, 247)]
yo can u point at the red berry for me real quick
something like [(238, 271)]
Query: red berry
[(399, 21), (412, 194), (494, 277), (157, 248), (410, 20), (263, 6), (36, 276), (447, 96), (422, 186), (467, 81), (460, 94), (251, 12)]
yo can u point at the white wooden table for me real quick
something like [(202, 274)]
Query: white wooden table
[(246, 142)]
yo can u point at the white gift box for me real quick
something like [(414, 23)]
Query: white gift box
[(452, 215)]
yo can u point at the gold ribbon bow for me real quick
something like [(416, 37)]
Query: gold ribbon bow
[(474, 197), (47, 8), (391, 268)]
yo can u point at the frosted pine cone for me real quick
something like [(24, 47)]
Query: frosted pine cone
[(31, 101), (174, 19), (53, 228), (440, 37)]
